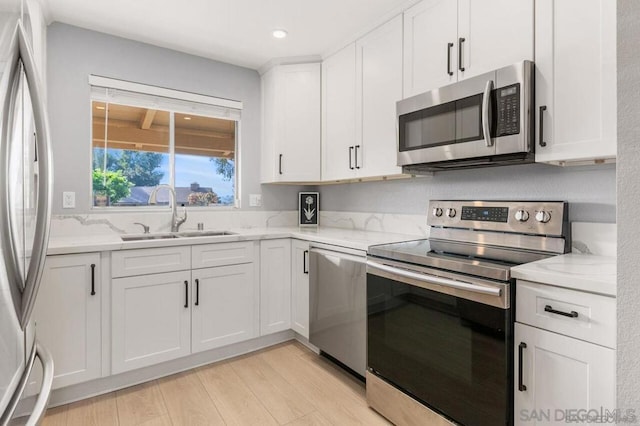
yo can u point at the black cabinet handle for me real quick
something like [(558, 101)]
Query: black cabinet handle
[(449, 46), (350, 152), (305, 269), (460, 41), (572, 314), (280, 164), (521, 347), (356, 158), (93, 279), (186, 294), (197, 292), (543, 108)]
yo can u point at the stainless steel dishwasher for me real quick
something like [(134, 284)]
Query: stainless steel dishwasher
[(338, 304)]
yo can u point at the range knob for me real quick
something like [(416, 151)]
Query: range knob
[(451, 212), (437, 212), (522, 215), (543, 216)]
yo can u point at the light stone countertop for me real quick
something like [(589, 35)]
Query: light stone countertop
[(584, 272), (354, 239)]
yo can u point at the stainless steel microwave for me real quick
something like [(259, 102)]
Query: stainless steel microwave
[(485, 120)]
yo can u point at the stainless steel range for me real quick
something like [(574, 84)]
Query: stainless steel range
[(440, 312)]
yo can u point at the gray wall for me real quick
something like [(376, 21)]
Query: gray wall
[(591, 191), (628, 375), (74, 53)]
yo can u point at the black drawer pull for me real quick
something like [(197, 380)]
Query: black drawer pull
[(93, 279), (521, 347), (186, 294), (305, 269), (350, 159), (572, 314), (460, 65), (280, 164), (542, 143), (197, 292), (449, 46)]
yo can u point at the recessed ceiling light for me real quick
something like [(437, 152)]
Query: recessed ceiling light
[(279, 33), (187, 118)]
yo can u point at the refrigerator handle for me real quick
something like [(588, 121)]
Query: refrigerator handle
[(40, 406), (45, 178)]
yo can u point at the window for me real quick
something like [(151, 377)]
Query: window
[(142, 140)]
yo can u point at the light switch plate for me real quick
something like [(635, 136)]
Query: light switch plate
[(68, 200), (255, 200)]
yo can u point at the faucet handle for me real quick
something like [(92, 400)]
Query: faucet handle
[(145, 227), (183, 219)]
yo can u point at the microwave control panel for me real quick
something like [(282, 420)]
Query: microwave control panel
[(508, 110)]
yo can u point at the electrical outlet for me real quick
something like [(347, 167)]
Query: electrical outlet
[(68, 200), (255, 200)]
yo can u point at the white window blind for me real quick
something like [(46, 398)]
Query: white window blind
[(145, 96)]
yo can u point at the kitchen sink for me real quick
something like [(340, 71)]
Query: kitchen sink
[(165, 236), (144, 237), (189, 234)]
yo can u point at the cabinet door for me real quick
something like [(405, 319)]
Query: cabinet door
[(575, 80), (429, 27), (275, 286), (151, 319), (67, 317), (496, 33), (379, 70), (269, 170), (225, 306), (299, 143), (560, 373), (300, 287), (339, 114)]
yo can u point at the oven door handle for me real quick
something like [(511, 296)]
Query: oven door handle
[(431, 279), (486, 127)]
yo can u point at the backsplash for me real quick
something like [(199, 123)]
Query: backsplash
[(124, 223)]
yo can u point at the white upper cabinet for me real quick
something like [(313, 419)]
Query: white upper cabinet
[(361, 85), (446, 41), (379, 76), (430, 35), (575, 81), (496, 33), (339, 114), (291, 123)]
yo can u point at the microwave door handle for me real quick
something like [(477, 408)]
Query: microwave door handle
[(486, 102)]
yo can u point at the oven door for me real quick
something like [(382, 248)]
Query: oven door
[(443, 340)]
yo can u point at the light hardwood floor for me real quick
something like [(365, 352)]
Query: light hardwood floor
[(283, 385)]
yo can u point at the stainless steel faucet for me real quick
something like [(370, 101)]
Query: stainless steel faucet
[(175, 220)]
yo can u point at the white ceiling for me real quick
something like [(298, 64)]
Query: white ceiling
[(233, 31)]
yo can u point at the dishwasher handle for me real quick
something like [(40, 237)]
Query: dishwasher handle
[(432, 279), (339, 254)]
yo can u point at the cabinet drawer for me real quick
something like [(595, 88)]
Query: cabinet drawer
[(127, 263), (208, 255), (587, 316)]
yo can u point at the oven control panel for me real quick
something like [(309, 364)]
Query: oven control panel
[(526, 217)]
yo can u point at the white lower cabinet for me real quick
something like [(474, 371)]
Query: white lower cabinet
[(151, 319), (67, 317), (275, 285), (300, 287), (561, 377), (225, 307)]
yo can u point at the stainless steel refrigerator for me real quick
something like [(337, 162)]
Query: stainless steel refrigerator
[(25, 208)]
